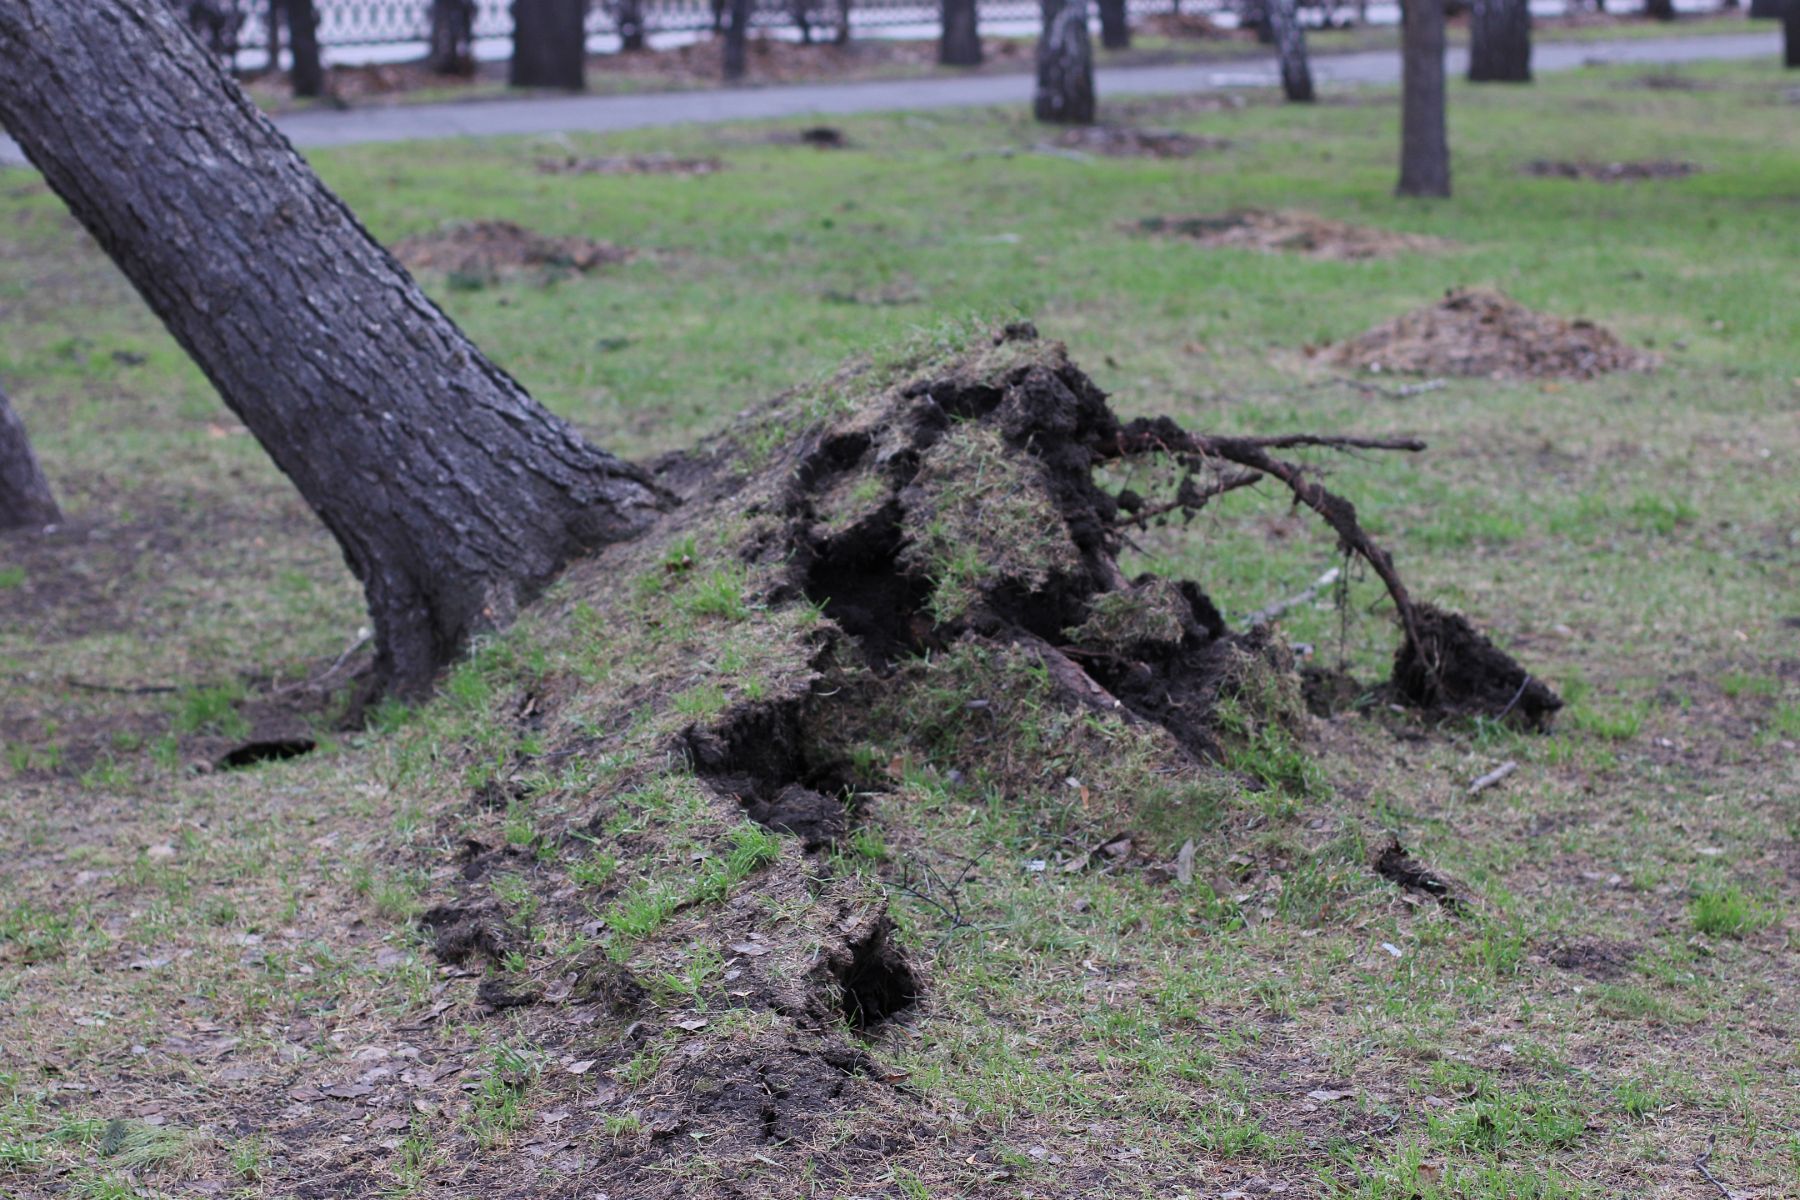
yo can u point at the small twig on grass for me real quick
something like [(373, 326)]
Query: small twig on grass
[(1403, 392), (358, 642), (1700, 1165), (1281, 608), (930, 886), (1492, 777), (1288, 441), (148, 689)]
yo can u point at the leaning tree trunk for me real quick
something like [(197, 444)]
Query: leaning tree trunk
[(308, 75), (1500, 41), (1290, 48), (25, 498), (1424, 141), (455, 497), (1065, 65), (960, 43), (1115, 25), (631, 26), (737, 32), (452, 47), (549, 44)]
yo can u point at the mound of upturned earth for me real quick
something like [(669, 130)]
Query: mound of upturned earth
[(1610, 172), (1127, 141), (631, 164), (1274, 232), (487, 249), (1485, 333)]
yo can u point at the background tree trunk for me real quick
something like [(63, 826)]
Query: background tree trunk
[(25, 498), (1500, 42), (842, 36), (1765, 10), (631, 26), (1065, 65), (454, 496), (1790, 33), (452, 49), (277, 16), (308, 74), (1424, 140), (1254, 15), (960, 43), (1115, 25), (549, 44), (737, 31), (1660, 10), (1290, 47)]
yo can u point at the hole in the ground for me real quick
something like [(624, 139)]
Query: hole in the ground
[(763, 758), (856, 578), (264, 750), (874, 979)]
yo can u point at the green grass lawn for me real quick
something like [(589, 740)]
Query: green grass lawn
[(188, 959)]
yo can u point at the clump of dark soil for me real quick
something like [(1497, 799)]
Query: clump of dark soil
[(1392, 862), (1595, 958), (1127, 141), (1669, 81), (489, 249), (631, 164), (1485, 333), (1291, 233), (1459, 670), (1610, 172)]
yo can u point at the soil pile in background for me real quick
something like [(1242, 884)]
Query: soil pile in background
[(1291, 233), (1610, 172), (487, 249), (631, 164), (1483, 332), (1125, 141)]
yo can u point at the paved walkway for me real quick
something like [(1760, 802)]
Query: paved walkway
[(607, 113)]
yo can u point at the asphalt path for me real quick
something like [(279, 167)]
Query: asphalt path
[(601, 114)]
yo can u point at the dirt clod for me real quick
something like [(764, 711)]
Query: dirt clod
[(1473, 675), (1392, 862), (1483, 332), (765, 757), (1291, 233), (1126, 141), (488, 249), (1610, 172)]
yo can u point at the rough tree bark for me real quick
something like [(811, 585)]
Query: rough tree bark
[(549, 44), (1424, 139), (1290, 48), (454, 496), (308, 74), (960, 43), (1500, 42), (1115, 25), (737, 32), (1065, 65), (25, 498), (452, 48)]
